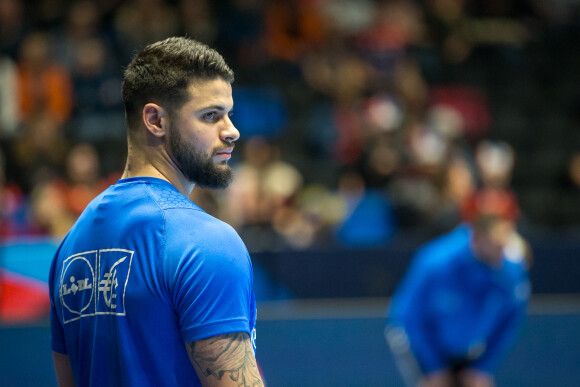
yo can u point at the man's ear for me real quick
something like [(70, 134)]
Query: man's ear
[(155, 119)]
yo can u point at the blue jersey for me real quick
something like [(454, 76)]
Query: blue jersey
[(454, 308), (143, 271)]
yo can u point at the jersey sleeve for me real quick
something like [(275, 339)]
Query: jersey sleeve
[(57, 341), (56, 333), (419, 329), (209, 274), (509, 323)]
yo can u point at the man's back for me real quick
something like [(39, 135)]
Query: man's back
[(143, 271)]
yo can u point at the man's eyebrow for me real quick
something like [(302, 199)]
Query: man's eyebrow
[(214, 107)]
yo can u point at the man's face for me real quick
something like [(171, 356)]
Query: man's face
[(489, 245), (201, 135)]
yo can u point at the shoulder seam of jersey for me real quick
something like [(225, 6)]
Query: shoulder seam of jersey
[(182, 201)]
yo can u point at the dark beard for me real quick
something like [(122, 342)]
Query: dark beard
[(195, 166)]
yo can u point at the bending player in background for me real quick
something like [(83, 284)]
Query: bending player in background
[(147, 289), (459, 307)]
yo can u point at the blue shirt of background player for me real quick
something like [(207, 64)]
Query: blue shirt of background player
[(454, 307), (143, 271)]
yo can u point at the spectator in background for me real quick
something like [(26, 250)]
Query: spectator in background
[(263, 192), (40, 150), (446, 21), (85, 46), (293, 29), (13, 27), (56, 201), (9, 109), (82, 23), (460, 306), (50, 212), (139, 22), (494, 162), (98, 109), (14, 211), (44, 86), (415, 192), (457, 183), (83, 178), (440, 127), (197, 20), (369, 218), (241, 34), (346, 98)]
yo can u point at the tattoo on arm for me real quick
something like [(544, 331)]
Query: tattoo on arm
[(226, 356)]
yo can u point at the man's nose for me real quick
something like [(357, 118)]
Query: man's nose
[(230, 133)]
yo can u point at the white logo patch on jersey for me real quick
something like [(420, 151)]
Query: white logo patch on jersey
[(95, 282)]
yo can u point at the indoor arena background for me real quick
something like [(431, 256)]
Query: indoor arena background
[(367, 127)]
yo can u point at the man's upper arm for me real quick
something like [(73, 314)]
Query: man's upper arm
[(225, 360), (64, 373)]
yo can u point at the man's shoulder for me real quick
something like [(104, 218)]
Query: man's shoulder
[(185, 223), (184, 214), (149, 191), (193, 225), (194, 238), (182, 211), (167, 197), (441, 254), (162, 199)]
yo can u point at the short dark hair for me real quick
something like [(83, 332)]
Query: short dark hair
[(163, 71)]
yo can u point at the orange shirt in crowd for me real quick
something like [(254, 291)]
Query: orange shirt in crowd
[(47, 92)]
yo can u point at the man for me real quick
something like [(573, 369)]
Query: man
[(147, 289), (460, 306)]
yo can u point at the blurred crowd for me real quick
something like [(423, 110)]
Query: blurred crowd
[(360, 119)]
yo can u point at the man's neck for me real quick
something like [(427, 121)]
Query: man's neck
[(164, 171)]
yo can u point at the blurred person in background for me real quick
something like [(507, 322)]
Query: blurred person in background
[(82, 180), (44, 85), (14, 26), (83, 177), (140, 22), (14, 208), (292, 29), (98, 109), (147, 288), (82, 23), (457, 183), (241, 35), (460, 306), (494, 162), (50, 213), (197, 20), (85, 45), (39, 155), (369, 219), (260, 200), (9, 109), (40, 149)]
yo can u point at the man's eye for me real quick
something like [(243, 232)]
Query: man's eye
[(210, 116)]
